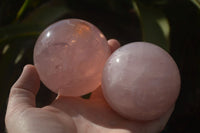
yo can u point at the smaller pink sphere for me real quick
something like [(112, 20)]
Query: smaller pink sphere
[(141, 81), (70, 55)]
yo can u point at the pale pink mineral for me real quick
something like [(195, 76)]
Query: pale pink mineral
[(70, 55), (141, 81)]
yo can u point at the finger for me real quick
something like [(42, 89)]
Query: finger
[(22, 93), (113, 44)]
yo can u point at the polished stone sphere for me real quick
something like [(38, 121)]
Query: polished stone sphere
[(141, 81), (69, 56)]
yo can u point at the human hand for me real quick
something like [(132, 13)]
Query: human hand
[(68, 114)]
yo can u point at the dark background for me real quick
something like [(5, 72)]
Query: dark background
[(126, 20)]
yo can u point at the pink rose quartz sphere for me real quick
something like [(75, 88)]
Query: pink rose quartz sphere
[(70, 55), (141, 81)]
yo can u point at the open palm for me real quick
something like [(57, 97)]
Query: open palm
[(67, 114)]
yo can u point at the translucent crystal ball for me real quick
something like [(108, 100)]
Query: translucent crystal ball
[(141, 81), (69, 56)]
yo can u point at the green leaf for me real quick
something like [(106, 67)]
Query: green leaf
[(196, 3), (48, 13), (22, 9), (154, 25), (15, 31), (35, 22)]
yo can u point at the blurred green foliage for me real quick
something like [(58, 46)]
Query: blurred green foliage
[(172, 24)]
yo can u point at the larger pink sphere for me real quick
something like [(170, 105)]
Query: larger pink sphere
[(141, 81), (70, 55)]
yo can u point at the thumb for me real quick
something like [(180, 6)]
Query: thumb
[(22, 93)]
